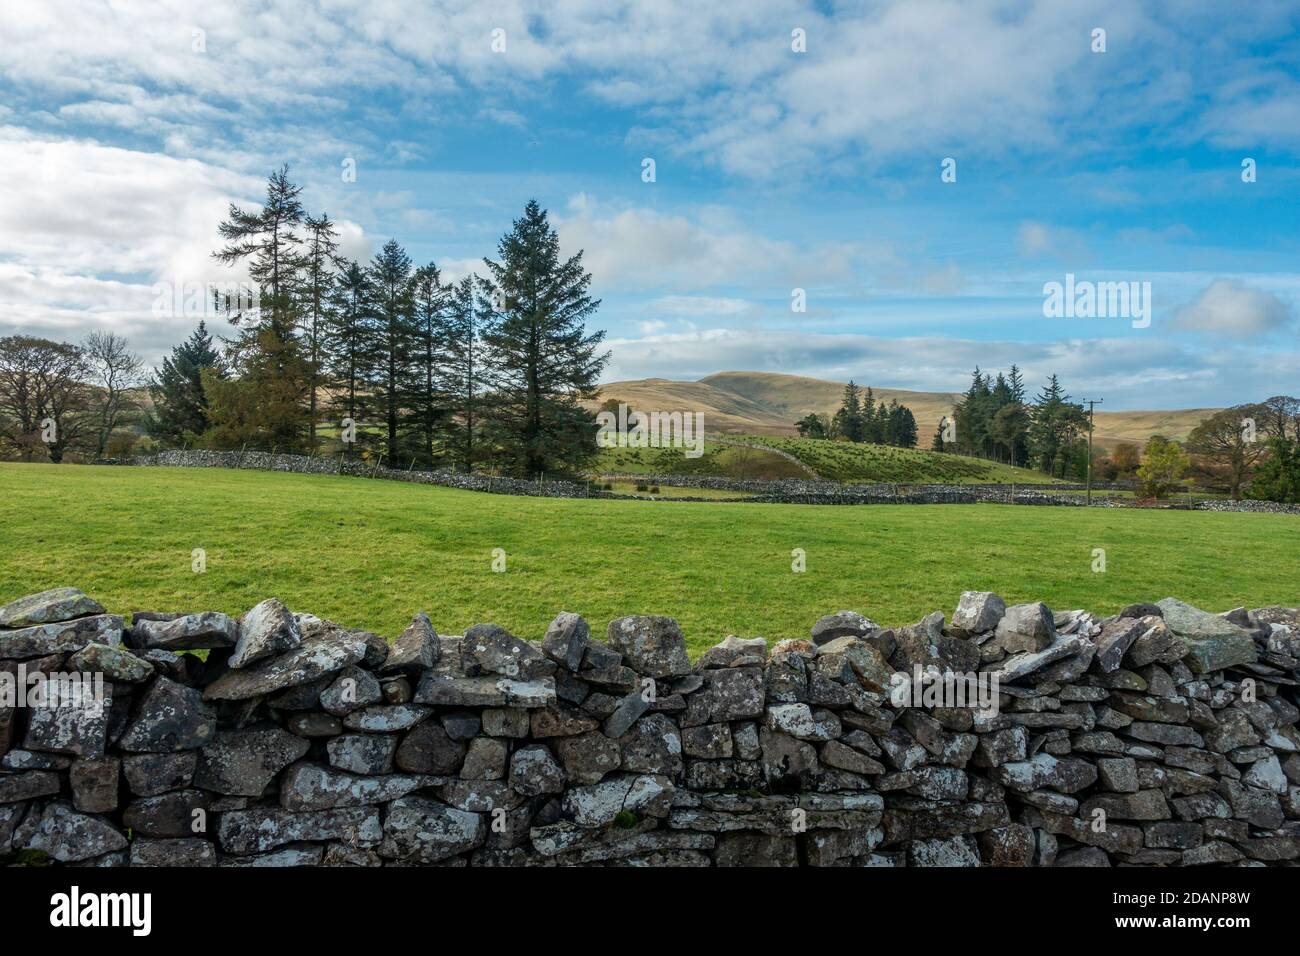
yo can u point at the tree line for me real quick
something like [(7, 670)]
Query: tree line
[(59, 398), (382, 360), (860, 418)]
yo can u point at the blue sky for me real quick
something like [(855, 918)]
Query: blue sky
[(126, 128)]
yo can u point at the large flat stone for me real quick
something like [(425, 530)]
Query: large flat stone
[(1213, 642), (311, 786), (42, 640), (324, 653), (265, 828), (48, 607), (421, 830), (244, 762), (487, 691), (185, 633)]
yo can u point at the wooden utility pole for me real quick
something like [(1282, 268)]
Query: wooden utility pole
[(1092, 403)]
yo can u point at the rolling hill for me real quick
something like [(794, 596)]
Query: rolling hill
[(769, 403)]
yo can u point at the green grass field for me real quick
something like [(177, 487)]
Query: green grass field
[(370, 553), (829, 460), (724, 461)]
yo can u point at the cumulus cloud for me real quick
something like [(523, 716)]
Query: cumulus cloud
[(880, 81), (642, 249), (1228, 308), (92, 237)]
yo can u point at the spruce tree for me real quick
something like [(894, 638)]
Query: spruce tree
[(972, 416), (320, 266), (466, 322), (426, 401), (390, 279), (544, 361), (180, 408), (871, 425), (351, 343), (1057, 425), (848, 420)]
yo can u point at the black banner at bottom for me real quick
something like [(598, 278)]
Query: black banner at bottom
[(335, 906)]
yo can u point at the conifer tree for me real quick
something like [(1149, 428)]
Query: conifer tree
[(180, 407), (393, 301), (467, 321), (351, 350), (267, 355), (543, 359), (321, 263), (848, 420), (426, 402)]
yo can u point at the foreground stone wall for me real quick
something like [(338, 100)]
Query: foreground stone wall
[(1164, 735)]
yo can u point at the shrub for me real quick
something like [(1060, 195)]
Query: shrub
[(1163, 466)]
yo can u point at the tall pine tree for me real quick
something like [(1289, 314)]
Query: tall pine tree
[(426, 402), (267, 355), (467, 321), (180, 407), (352, 351), (393, 299), (848, 420), (321, 263), (544, 361)]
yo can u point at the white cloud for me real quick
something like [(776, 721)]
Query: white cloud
[(1228, 308), (1041, 239), (883, 80), (639, 248), (694, 305), (86, 231)]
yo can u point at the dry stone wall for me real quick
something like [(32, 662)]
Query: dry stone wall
[(782, 491), (1016, 736)]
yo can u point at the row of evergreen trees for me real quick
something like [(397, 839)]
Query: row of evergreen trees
[(860, 418), (993, 420), (486, 372)]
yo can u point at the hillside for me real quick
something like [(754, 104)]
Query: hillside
[(769, 403), (842, 461)]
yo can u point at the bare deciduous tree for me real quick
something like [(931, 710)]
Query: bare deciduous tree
[(114, 370)]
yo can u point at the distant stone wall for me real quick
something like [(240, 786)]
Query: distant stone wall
[(1163, 735), (808, 486), (319, 465), (781, 491)]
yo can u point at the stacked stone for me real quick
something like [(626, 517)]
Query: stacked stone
[(1163, 735)]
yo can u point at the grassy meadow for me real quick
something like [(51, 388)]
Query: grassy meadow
[(370, 553), (845, 461)]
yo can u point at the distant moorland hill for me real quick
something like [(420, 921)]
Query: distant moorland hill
[(769, 403)]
